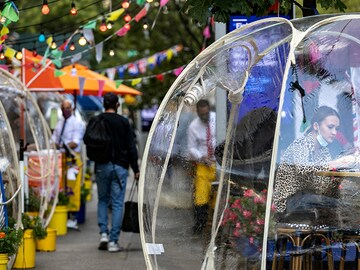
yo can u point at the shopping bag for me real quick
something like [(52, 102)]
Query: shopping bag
[(130, 221)]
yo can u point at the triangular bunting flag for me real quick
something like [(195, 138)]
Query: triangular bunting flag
[(163, 2), (113, 16), (169, 54), (110, 72), (101, 87), (58, 73), (135, 81), (90, 25), (121, 71), (118, 83), (178, 71), (9, 52), (140, 2), (206, 32), (89, 36), (81, 85), (122, 31), (57, 62), (4, 31), (99, 51), (76, 57), (141, 14)]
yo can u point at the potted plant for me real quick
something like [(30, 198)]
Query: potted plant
[(10, 240), (33, 202), (33, 230), (244, 220), (81, 214), (60, 216)]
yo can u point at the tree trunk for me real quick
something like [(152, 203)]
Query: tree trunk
[(309, 7)]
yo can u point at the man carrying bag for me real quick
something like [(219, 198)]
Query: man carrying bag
[(111, 171)]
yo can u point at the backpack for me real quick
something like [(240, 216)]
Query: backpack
[(97, 140)]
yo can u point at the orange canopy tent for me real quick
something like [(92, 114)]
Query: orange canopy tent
[(39, 77), (70, 82)]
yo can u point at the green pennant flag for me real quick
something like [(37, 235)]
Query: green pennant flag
[(57, 62), (58, 73), (118, 83), (56, 53), (140, 2), (90, 24), (10, 12)]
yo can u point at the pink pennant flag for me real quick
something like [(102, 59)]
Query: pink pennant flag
[(206, 32), (178, 71), (163, 2), (122, 31), (141, 14), (81, 85), (101, 87)]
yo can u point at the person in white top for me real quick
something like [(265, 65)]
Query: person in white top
[(69, 131), (201, 145)]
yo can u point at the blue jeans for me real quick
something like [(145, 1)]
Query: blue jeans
[(111, 186)]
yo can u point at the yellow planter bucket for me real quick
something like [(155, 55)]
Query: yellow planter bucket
[(25, 257), (3, 261), (59, 220), (49, 243), (88, 185)]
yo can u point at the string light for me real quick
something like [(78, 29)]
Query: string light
[(127, 26), (72, 46), (111, 52), (53, 44), (3, 19), (45, 8), (2, 54), (82, 40), (109, 25), (125, 4), (145, 25), (73, 10), (42, 37), (127, 18), (34, 52), (19, 55), (149, 1), (103, 26)]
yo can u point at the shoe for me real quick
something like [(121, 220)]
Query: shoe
[(114, 247), (103, 241)]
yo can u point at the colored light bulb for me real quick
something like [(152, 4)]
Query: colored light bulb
[(72, 46), (45, 8), (82, 41), (41, 37)]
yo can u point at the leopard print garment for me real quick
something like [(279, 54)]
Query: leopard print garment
[(296, 172)]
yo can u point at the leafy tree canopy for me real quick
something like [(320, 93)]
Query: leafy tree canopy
[(201, 10)]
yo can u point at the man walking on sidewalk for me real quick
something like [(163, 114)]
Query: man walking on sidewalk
[(111, 175)]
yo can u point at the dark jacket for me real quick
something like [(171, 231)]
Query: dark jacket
[(123, 143)]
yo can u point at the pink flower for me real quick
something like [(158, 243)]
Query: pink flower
[(251, 240), (259, 199), (238, 225), (236, 233), (247, 214), (232, 216), (257, 229), (249, 193), (260, 221)]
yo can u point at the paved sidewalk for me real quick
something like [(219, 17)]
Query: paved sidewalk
[(79, 249)]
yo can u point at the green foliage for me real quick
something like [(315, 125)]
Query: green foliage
[(84, 192), (34, 223), (33, 202), (63, 198), (201, 10), (10, 240)]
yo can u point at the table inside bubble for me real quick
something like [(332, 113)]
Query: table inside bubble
[(338, 173)]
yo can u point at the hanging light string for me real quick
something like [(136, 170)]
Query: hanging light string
[(147, 6), (36, 6)]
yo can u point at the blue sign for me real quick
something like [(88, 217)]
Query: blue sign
[(236, 21)]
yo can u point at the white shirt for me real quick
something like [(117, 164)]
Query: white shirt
[(73, 132), (197, 144)]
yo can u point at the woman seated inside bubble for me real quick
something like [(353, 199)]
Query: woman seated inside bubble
[(298, 189)]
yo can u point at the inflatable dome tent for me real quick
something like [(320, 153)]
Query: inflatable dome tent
[(282, 181), (23, 123)]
